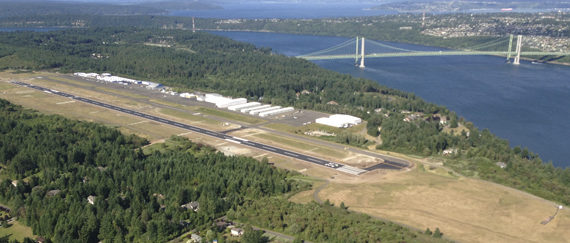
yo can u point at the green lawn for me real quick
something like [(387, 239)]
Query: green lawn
[(230, 115), (303, 146), (17, 231)]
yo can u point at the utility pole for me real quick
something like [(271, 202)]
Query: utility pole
[(510, 48), (519, 46), (362, 55), (193, 26), (356, 52)]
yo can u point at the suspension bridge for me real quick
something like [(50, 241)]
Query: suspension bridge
[(360, 55)]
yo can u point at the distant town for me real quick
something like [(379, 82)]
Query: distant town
[(546, 32)]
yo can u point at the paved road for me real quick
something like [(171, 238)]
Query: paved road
[(318, 190), (223, 136)]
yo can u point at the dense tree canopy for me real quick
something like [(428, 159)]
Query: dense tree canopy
[(59, 163)]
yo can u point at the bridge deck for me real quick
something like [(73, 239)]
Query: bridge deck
[(431, 53)]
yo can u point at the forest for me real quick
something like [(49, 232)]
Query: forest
[(323, 223), (205, 62), (56, 164), (75, 181)]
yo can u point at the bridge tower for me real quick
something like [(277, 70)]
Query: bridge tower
[(518, 50), (510, 48), (356, 52), (362, 55)]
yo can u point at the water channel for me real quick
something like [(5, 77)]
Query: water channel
[(528, 104)]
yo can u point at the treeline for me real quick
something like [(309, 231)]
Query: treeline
[(323, 223), (59, 163), (202, 61), (210, 63), (12, 8)]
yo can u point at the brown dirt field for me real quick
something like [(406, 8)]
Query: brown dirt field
[(464, 209)]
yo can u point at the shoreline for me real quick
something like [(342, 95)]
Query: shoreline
[(271, 31)]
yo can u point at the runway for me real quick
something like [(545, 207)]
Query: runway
[(237, 140)]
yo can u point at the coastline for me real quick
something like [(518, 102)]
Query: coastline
[(272, 31)]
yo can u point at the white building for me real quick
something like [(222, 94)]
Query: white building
[(247, 110), (255, 112), (187, 95), (276, 112), (213, 98), (236, 232), (231, 102), (339, 120), (243, 106), (152, 85), (91, 199)]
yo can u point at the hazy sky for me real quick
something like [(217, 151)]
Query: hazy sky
[(238, 1)]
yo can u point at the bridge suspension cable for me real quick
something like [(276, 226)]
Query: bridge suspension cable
[(330, 49), (388, 46), (489, 43)]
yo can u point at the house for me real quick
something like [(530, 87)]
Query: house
[(52, 193), (15, 183), (449, 151), (194, 205), (91, 199), (236, 232), (502, 165), (332, 102), (221, 225), (194, 238)]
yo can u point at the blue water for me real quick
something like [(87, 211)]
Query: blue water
[(284, 10), (529, 104)]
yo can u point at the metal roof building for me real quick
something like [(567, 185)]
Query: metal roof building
[(339, 120)]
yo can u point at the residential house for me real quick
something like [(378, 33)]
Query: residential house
[(91, 200), (236, 232), (194, 205)]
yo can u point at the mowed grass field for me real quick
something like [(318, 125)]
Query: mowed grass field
[(17, 231)]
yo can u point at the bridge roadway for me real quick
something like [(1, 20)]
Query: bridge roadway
[(432, 53), (393, 165)]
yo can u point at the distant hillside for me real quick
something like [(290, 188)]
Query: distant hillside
[(179, 5), (472, 5), (35, 8), (38, 8)]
